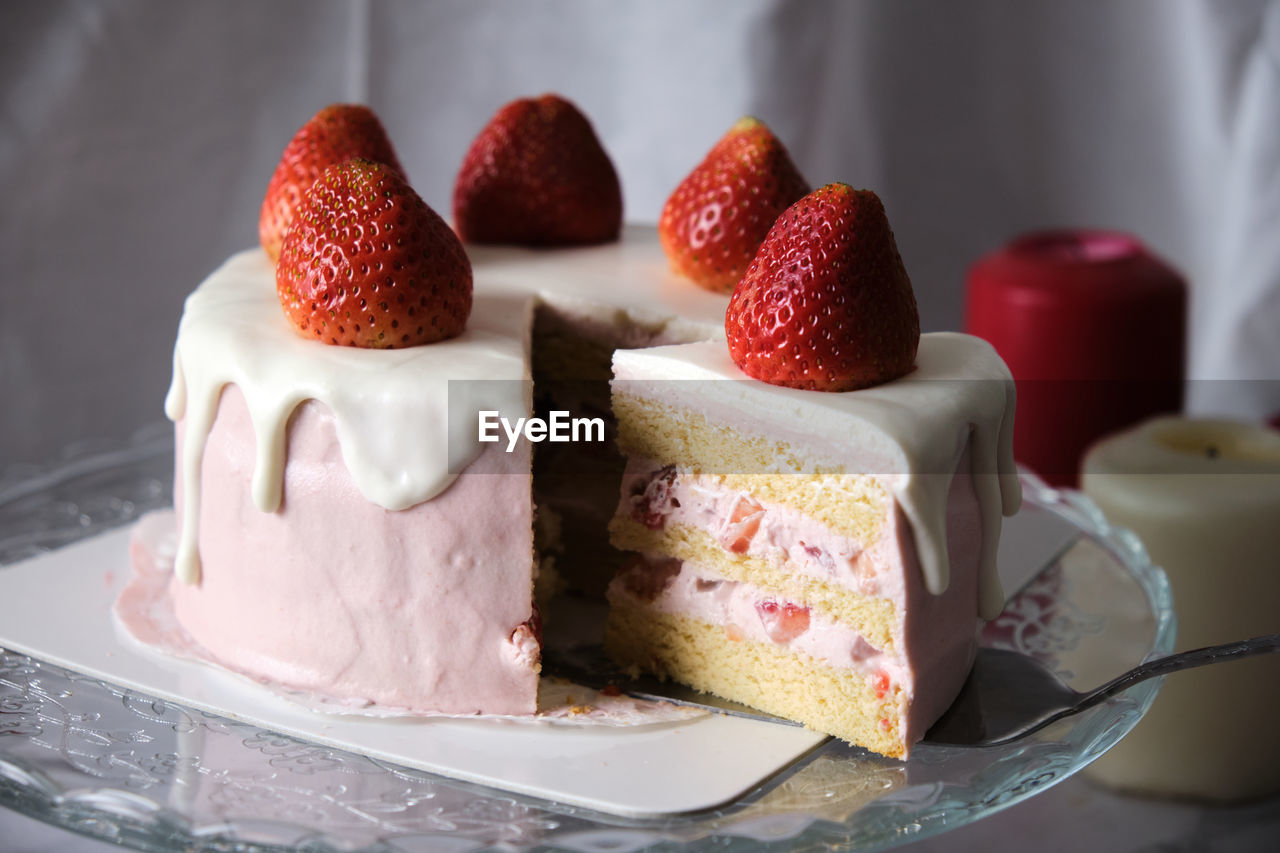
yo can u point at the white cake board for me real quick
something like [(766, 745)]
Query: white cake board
[(57, 607)]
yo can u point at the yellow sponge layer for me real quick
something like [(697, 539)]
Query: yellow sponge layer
[(853, 505), (763, 675), (873, 618)]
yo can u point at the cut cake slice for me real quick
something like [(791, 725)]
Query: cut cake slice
[(826, 557)]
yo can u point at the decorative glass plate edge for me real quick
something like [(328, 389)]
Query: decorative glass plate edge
[(45, 508)]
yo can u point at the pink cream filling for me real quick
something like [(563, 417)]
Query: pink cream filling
[(747, 612), (658, 496)]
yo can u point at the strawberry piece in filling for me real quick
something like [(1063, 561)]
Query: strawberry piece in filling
[(742, 525), (783, 621), (820, 557), (651, 500)]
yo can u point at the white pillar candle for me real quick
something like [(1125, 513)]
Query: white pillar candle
[(1204, 497)]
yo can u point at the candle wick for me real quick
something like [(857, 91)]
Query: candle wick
[(1211, 451)]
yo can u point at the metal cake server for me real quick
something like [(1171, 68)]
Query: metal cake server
[(1009, 695)]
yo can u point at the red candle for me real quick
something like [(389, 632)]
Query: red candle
[(1093, 328)]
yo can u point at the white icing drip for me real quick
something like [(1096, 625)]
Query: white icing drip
[(404, 435), (912, 431), (995, 480)]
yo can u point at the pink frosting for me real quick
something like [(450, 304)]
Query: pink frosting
[(940, 632), (423, 609)]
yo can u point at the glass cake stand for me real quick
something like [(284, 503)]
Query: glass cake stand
[(124, 767)]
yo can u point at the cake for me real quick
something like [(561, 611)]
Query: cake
[(379, 477), (827, 558)]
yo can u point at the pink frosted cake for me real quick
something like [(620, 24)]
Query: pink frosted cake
[(824, 557)]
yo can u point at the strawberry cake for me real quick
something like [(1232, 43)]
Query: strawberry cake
[(823, 557), (347, 528)]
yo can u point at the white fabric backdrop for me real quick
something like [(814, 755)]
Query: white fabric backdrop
[(136, 139)]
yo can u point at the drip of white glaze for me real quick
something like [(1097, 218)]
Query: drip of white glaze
[(406, 419)]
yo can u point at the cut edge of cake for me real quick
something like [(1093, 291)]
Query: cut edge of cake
[(859, 527)]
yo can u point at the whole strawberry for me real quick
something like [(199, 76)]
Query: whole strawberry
[(826, 304), (537, 176), (713, 223), (336, 133), (367, 263)]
